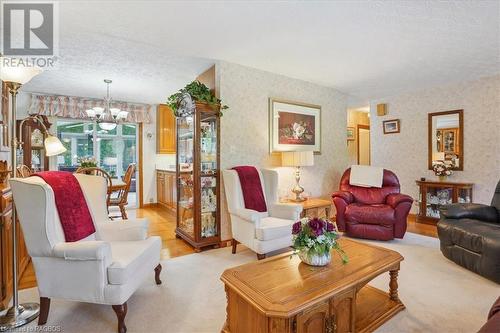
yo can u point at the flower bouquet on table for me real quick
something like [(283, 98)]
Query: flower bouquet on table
[(442, 169), (87, 162), (313, 240)]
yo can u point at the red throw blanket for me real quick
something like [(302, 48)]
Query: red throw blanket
[(73, 211), (251, 188)]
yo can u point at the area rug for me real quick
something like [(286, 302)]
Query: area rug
[(439, 295)]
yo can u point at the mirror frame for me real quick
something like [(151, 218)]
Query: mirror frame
[(460, 139)]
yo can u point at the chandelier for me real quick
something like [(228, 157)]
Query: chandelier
[(107, 117)]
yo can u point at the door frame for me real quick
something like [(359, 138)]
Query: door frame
[(366, 127), (140, 204)]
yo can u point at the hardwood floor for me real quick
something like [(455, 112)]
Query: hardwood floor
[(421, 228), (162, 223)]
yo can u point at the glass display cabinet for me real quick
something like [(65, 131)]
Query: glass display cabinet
[(434, 194), (198, 177)]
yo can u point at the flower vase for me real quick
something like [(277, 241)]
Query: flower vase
[(442, 178), (315, 259)]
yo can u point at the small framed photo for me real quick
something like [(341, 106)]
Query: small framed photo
[(351, 134), (391, 126)]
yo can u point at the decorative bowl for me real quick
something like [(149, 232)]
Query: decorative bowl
[(315, 259)]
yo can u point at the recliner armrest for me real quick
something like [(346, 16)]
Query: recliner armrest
[(250, 214), (285, 211), (394, 199), (470, 211), (126, 230), (344, 195), (84, 250)]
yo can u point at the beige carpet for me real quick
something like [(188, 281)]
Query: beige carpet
[(439, 295)]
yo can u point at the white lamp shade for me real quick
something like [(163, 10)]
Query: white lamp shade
[(90, 113), (107, 126), (17, 74), (98, 111), (123, 115), (114, 111), (53, 146), (297, 158)]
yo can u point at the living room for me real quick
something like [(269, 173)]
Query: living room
[(375, 138)]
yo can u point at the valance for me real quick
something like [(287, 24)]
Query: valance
[(75, 107)]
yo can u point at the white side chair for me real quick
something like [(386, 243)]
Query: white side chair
[(262, 232), (107, 267)]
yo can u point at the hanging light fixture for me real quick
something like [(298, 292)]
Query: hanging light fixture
[(113, 115)]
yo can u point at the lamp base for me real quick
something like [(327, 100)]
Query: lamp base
[(24, 314), (299, 199)]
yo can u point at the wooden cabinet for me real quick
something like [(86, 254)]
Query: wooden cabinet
[(6, 248), (165, 137), (198, 176), (434, 194), (166, 189), (315, 320), (33, 149)]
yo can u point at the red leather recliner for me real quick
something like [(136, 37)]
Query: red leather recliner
[(370, 212)]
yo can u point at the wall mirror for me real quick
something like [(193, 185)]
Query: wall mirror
[(446, 138)]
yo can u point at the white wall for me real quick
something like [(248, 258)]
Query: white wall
[(245, 127), (406, 153)]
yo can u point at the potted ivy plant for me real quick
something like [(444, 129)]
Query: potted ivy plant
[(197, 92)]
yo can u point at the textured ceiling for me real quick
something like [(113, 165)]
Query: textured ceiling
[(367, 49)]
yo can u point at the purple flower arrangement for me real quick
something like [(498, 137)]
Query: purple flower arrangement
[(316, 237)]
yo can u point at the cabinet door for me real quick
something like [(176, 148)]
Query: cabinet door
[(343, 310), (160, 187), (168, 189), (314, 320), (165, 130)]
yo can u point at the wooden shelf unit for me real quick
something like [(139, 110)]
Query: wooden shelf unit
[(433, 194)]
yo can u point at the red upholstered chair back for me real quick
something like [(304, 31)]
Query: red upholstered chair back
[(371, 195)]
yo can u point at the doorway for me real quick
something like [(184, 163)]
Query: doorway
[(363, 144)]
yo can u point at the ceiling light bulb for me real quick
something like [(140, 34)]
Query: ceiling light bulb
[(98, 111), (90, 113), (114, 112)]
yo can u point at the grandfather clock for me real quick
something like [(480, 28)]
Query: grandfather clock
[(32, 152)]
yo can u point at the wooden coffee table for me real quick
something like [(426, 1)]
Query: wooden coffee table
[(282, 294)]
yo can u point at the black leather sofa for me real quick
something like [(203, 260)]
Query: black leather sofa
[(470, 236)]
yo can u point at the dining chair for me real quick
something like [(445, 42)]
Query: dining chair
[(23, 171), (121, 200), (95, 171)]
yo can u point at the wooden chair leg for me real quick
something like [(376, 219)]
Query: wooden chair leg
[(121, 312), (44, 310), (157, 274), (124, 212), (261, 256), (234, 243)]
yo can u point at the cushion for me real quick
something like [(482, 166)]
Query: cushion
[(473, 235), (370, 214), (272, 228), (129, 257)]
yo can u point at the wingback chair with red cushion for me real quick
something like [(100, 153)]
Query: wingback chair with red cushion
[(371, 212)]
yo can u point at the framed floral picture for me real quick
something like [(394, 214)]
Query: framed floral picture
[(351, 134), (294, 126), (391, 126)]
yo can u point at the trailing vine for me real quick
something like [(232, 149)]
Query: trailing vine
[(199, 93)]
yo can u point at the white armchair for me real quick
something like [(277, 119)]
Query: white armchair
[(105, 268), (261, 232)]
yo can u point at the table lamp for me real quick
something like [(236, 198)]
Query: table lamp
[(297, 159)]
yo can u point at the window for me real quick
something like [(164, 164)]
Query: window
[(113, 149)]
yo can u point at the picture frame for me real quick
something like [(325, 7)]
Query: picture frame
[(294, 126), (351, 133), (391, 126)]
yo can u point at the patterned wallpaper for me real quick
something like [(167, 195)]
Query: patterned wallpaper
[(406, 153), (245, 127)]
